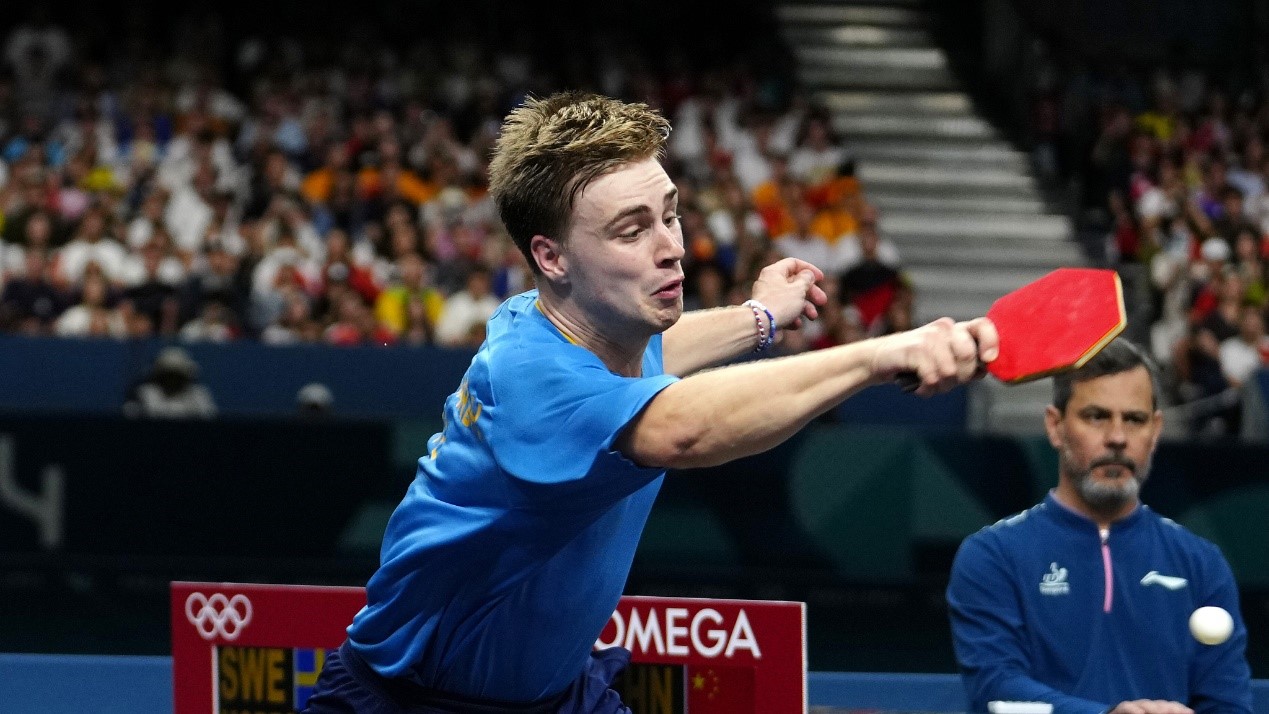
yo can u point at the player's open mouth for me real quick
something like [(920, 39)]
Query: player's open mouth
[(671, 290)]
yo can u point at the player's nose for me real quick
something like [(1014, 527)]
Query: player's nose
[(670, 248)]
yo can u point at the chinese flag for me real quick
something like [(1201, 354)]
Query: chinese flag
[(712, 689)]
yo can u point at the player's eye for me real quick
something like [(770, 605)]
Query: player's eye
[(672, 219)]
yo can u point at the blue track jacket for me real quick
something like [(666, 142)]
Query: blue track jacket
[(1044, 608)]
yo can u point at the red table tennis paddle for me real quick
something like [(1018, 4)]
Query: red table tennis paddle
[(1052, 324)]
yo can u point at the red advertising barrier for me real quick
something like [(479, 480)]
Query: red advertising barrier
[(721, 655), (245, 649)]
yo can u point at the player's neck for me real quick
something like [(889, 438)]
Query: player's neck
[(1067, 495), (620, 358)]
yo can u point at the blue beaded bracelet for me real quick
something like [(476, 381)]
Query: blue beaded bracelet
[(766, 337)]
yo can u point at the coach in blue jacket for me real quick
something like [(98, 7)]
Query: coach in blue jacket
[(1083, 601)]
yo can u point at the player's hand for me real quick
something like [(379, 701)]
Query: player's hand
[(788, 288), (942, 354), (984, 333), (1151, 706)]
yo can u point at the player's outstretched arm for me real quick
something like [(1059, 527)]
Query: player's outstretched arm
[(704, 338), (718, 415)]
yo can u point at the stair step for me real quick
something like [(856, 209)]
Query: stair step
[(844, 14), (986, 283), (902, 125), (880, 173), (1016, 419), (857, 35), (888, 200), (875, 3), (951, 154), (957, 189), (816, 77), (1042, 228), (931, 306), (956, 198), (943, 104), (1052, 252), (967, 256), (912, 59), (999, 408)]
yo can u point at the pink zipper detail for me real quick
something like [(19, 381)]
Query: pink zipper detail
[(1108, 570)]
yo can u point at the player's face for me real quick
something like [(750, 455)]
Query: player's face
[(623, 251), (1106, 436)]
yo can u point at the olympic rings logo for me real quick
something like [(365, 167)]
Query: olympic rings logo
[(218, 615)]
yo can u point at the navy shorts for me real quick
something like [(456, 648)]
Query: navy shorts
[(347, 685)]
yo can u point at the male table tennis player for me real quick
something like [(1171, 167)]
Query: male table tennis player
[(512, 546), (1083, 601)]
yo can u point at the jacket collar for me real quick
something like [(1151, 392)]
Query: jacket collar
[(1065, 515)]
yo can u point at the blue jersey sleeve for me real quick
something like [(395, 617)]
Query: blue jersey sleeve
[(555, 412)]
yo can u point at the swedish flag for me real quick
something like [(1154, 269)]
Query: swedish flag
[(308, 665)]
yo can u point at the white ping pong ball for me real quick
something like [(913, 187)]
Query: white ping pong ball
[(1211, 625)]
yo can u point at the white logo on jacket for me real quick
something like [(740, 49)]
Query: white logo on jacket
[(1054, 581), (1170, 582)]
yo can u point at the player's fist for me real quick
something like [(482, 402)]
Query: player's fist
[(788, 289), (937, 356)]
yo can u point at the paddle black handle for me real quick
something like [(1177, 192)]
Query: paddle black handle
[(909, 381)]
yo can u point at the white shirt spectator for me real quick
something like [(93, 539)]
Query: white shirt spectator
[(264, 277), (461, 314), (1156, 203), (1242, 354), (1253, 187), (809, 247), (77, 321), (171, 271), (1169, 274), (219, 103), (187, 217), (1239, 360), (849, 254), (139, 232), (176, 170), (812, 165), (723, 225), (108, 253), (748, 162)]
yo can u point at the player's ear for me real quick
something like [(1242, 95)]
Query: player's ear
[(550, 258), (1052, 420)]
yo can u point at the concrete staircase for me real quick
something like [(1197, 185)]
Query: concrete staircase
[(960, 202)]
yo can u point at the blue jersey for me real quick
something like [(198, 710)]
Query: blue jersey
[(512, 545), (1044, 609)]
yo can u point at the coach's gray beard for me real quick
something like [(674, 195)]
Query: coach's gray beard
[(1105, 497)]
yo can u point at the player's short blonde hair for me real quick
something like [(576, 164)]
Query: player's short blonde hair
[(550, 149)]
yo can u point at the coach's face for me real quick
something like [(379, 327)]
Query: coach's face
[(1105, 438)]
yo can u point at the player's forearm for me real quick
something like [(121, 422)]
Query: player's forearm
[(703, 338), (723, 414)]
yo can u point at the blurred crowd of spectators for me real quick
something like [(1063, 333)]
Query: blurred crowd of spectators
[(345, 202), (1177, 175)]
